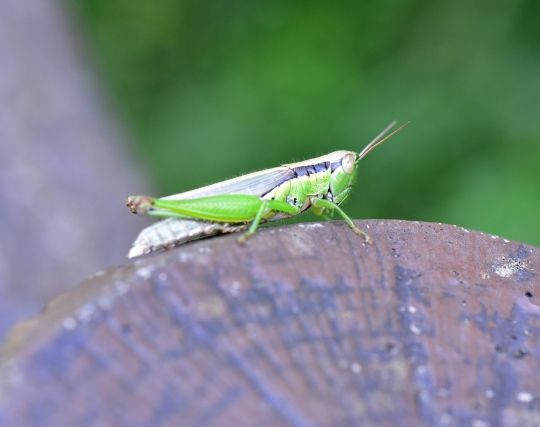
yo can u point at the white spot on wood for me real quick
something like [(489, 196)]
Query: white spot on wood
[(311, 225), (524, 397), (85, 313), (421, 370), (183, 257), (356, 368), (145, 272), (508, 267), (235, 287), (69, 323), (415, 329)]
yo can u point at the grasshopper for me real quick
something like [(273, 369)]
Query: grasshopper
[(243, 203)]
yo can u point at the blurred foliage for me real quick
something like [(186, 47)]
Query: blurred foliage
[(216, 89)]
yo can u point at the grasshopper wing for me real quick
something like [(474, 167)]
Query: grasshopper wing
[(254, 184), (172, 232)]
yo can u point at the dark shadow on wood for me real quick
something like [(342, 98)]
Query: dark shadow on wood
[(305, 325)]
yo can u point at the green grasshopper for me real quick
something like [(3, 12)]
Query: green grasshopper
[(320, 184)]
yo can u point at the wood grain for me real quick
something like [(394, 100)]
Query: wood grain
[(303, 326)]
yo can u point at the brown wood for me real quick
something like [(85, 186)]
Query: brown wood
[(303, 326)]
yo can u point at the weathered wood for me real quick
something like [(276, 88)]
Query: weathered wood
[(305, 325)]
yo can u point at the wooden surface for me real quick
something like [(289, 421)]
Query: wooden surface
[(303, 326)]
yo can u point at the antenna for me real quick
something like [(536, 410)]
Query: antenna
[(380, 138)]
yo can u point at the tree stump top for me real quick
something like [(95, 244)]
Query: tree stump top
[(303, 326)]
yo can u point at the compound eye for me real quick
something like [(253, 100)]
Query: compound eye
[(348, 163)]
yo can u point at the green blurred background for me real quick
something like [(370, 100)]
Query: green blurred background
[(211, 90)]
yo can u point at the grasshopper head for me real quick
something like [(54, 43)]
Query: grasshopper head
[(343, 165)]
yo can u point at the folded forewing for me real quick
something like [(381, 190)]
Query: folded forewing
[(255, 184)]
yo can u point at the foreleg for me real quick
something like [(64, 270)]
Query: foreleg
[(324, 204)]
